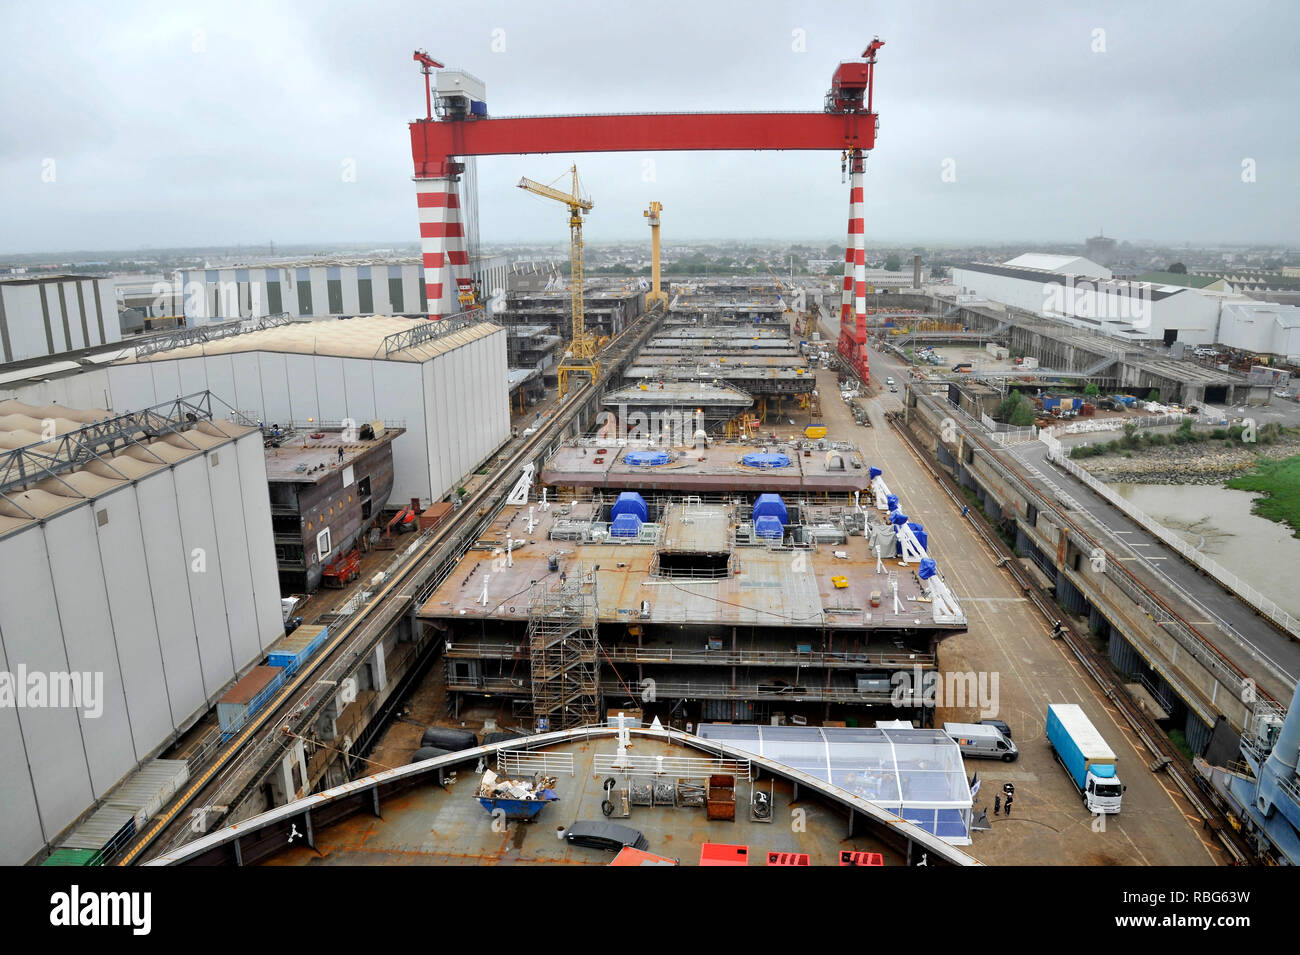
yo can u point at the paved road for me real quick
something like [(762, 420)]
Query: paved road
[(1008, 638)]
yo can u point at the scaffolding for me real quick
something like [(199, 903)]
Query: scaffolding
[(564, 652)]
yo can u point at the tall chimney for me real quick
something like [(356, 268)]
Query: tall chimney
[(916, 271)]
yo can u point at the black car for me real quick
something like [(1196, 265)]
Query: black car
[(598, 834), (1003, 728)]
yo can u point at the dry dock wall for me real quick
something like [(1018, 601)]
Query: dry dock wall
[(1118, 607)]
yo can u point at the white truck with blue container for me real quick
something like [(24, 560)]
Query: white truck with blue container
[(1086, 757)]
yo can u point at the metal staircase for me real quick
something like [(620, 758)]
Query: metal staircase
[(1099, 365), (565, 653)]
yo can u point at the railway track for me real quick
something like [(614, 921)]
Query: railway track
[(1164, 754), (262, 742)]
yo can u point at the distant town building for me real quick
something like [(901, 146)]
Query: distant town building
[(1101, 249)]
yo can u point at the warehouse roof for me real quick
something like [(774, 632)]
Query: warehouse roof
[(36, 278), (1144, 289), (340, 338), (1177, 278), (43, 488), (1065, 264)]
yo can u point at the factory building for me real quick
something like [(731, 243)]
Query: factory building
[(1132, 311), (139, 579), (50, 314), (1261, 328), (445, 383), (320, 289)]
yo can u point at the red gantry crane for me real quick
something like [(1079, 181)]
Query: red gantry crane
[(456, 125)]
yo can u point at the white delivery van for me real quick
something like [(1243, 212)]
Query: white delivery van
[(976, 739)]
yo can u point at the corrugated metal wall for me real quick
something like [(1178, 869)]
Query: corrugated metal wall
[(1198, 734), (165, 587), (467, 409), (1122, 654), (51, 317), (1068, 595)]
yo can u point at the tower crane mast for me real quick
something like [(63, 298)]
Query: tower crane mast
[(657, 295), (581, 356)]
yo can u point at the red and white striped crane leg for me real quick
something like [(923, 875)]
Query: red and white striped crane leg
[(441, 237)]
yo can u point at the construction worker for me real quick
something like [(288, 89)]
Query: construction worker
[(1009, 804)]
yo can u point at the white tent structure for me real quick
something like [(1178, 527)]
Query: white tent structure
[(915, 773)]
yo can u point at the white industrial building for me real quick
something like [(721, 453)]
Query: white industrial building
[(50, 314), (319, 289), (444, 382), (136, 550), (1134, 311), (1261, 328)]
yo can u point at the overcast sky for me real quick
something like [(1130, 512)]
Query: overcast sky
[(234, 123)]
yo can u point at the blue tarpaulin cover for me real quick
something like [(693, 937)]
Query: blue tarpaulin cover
[(759, 459), (922, 537), (769, 526), (645, 458), (771, 504), (625, 525), (630, 502)]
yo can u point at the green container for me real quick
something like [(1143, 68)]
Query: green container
[(73, 857)]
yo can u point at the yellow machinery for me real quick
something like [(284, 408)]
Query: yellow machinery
[(581, 356), (744, 425), (794, 322), (656, 296)]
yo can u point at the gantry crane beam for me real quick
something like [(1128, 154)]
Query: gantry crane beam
[(457, 126), (435, 142)]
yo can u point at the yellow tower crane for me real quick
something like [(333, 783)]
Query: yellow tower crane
[(656, 296), (794, 320), (581, 356)]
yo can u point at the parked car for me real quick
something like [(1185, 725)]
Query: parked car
[(610, 836), (998, 725)]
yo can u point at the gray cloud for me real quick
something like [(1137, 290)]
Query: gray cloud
[(231, 122)]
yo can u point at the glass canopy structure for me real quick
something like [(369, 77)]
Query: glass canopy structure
[(915, 773)]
